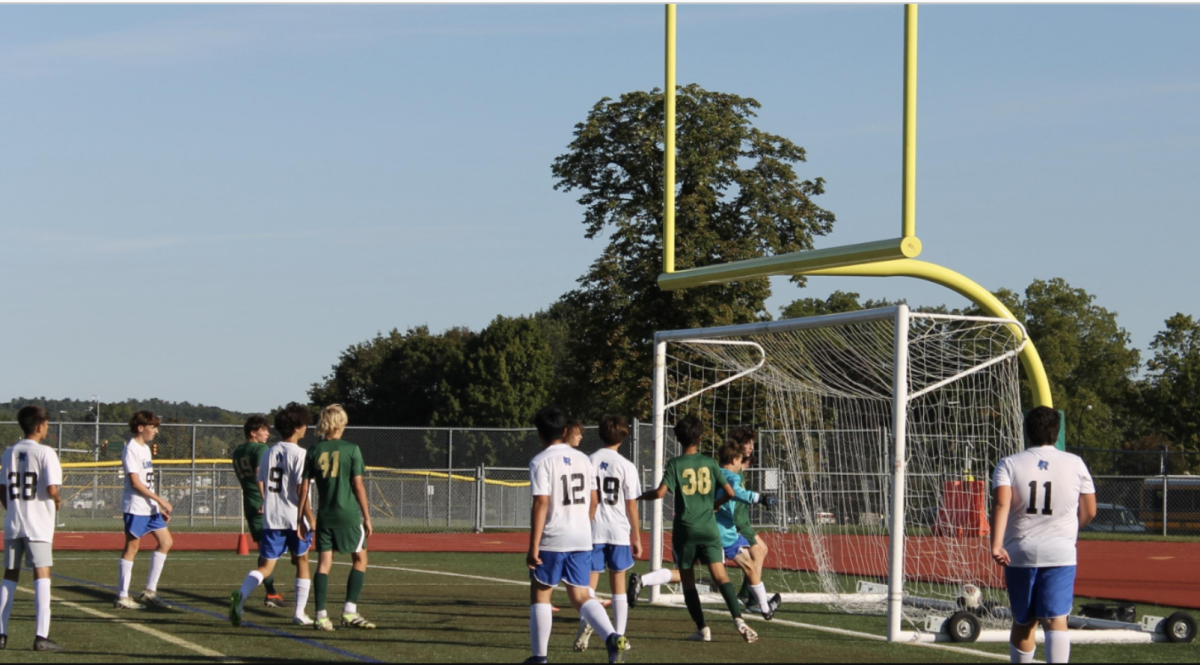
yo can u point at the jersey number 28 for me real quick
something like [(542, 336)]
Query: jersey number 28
[(22, 486)]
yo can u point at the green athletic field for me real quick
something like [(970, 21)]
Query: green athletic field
[(435, 608)]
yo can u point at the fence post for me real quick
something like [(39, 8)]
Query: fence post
[(479, 489), (212, 508), (637, 443), (428, 503), (1162, 468), (192, 494), (449, 474)]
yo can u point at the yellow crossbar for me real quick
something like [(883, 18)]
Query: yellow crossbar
[(377, 469)]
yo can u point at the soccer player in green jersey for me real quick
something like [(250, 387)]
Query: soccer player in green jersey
[(694, 480), (343, 517), (245, 466)]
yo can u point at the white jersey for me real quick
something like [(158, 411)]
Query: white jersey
[(617, 480), (281, 470), (566, 476), (1043, 522), (137, 462), (28, 470)]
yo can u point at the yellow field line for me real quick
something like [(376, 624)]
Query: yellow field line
[(377, 469)]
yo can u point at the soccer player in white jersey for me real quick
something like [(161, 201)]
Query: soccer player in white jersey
[(30, 476), (287, 521), (1044, 496), (616, 539), (563, 484), (145, 513)]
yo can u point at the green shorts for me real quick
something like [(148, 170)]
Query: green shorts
[(254, 524), (687, 553), (343, 539)]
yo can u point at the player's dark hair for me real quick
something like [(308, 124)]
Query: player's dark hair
[(551, 424), (742, 435), (31, 417), (730, 452), (574, 426), (688, 431), (291, 418), (255, 423), (1041, 426), (143, 419), (613, 429)]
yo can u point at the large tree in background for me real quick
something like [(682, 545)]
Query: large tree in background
[(738, 197), (1171, 394)]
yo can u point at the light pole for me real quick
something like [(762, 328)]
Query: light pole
[(1079, 423), (62, 417)]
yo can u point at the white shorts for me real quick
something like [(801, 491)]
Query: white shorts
[(36, 554)]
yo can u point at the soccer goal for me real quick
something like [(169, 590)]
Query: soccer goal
[(878, 431)]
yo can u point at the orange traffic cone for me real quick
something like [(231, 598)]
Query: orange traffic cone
[(243, 547)]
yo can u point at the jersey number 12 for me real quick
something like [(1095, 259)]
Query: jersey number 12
[(1032, 509), (573, 492)]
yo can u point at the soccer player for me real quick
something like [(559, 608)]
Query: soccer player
[(1043, 497), (616, 539), (30, 476), (694, 479), (738, 547), (287, 515), (145, 513), (245, 466), (563, 485), (574, 433), (758, 548), (343, 516)]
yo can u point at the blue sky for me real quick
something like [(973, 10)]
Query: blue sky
[(209, 203)]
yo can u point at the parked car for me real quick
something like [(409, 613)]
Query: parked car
[(1113, 518), (83, 501)]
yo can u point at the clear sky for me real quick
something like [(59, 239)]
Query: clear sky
[(209, 203)]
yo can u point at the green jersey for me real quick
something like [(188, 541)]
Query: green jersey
[(332, 467), (694, 480), (245, 466)]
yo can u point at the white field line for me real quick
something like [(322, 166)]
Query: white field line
[(171, 639), (795, 624)]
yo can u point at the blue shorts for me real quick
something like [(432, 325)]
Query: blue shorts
[(731, 552), (1040, 593), (618, 558), (140, 525), (574, 568), (276, 542)]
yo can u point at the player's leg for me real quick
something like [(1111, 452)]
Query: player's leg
[(716, 567), (354, 540), (1054, 596), (42, 560), (577, 575), (135, 528), (691, 599), (13, 551), (254, 524), (584, 635), (619, 559), (744, 558), (303, 583), (320, 582), (158, 559), (272, 546), (541, 616), (1021, 643)]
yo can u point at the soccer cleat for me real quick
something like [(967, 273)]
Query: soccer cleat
[(634, 590), (536, 660), (235, 608), (302, 620), (323, 624), (702, 635), (274, 600), (772, 605), (127, 603), (616, 648), (356, 621), (46, 644), (151, 598), (583, 636), (747, 632)]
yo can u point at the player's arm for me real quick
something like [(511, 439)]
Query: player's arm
[(635, 534), (1002, 504), (360, 493), (654, 494), (1087, 509), (537, 522), (52, 472), (135, 481), (304, 510), (4, 486)]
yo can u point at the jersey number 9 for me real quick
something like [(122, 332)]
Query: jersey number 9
[(612, 490), (275, 484), (22, 486), (697, 480)]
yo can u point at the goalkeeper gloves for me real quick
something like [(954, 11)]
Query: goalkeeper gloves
[(767, 500)]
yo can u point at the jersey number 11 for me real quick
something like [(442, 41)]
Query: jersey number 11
[(1032, 509)]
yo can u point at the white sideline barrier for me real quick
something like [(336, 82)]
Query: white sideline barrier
[(800, 598), (1077, 637)]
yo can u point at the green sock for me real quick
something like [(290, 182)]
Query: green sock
[(691, 597), (269, 583), (321, 589), (744, 592), (731, 600), (354, 585)]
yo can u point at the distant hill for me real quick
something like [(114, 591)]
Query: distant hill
[(80, 410)]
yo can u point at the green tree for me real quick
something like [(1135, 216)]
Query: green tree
[(738, 197), (1172, 390)]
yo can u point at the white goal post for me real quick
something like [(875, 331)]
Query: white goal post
[(847, 508)]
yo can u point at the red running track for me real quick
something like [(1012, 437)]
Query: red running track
[(1145, 572)]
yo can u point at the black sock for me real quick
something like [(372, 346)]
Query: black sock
[(691, 597), (731, 600)]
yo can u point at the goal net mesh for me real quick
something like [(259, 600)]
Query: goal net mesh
[(822, 400)]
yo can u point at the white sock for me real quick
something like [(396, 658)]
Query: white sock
[(620, 609), (124, 572), (253, 579), (157, 561), (350, 608), (657, 578), (7, 591), (322, 614), (1058, 646), (302, 588), (41, 598), (593, 613), (541, 619), (1015, 655), (760, 592)]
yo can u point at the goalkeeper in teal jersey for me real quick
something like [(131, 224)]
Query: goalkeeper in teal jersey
[(739, 547)]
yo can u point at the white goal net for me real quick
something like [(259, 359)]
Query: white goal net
[(877, 431)]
